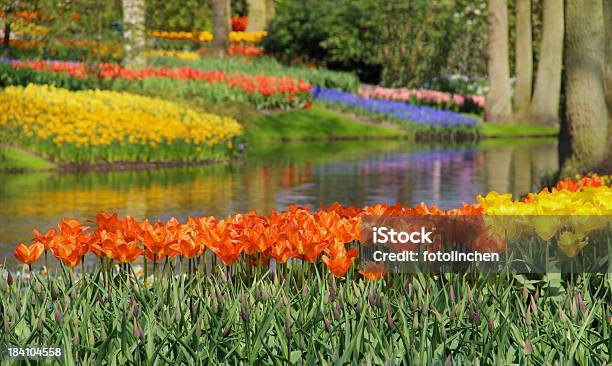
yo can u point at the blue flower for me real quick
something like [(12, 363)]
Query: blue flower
[(419, 115)]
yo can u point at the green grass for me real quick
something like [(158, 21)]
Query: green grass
[(314, 124), (12, 158), (517, 130), (249, 316)]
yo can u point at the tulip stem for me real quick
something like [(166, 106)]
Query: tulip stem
[(154, 267)]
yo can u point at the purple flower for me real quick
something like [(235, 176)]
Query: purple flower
[(418, 115)]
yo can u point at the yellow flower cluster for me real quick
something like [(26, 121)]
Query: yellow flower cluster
[(205, 36), (102, 118), (587, 201), (28, 29), (249, 37), (569, 215), (183, 55), (185, 36)]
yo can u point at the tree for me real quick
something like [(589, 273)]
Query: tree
[(585, 103), (498, 107), (134, 33), (524, 58), (607, 8), (547, 91), (270, 10), (6, 41), (257, 15), (221, 26)]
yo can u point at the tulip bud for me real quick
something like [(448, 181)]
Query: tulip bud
[(100, 299), (305, 290), (54, 292), (76, 340), (371, 299), (490, 325), (407, 287), (477, 315), (452, 297), (453, 313), (389, 317), (337, 312), (581, 303), (244, 309), (227, 330), (135, 309), (6, 326), (528, 316), (562, 316), (336, 355), (264, 293), (138, 333), (448, 361), (528, 348), (288, 322), (198, 330), (39, 325), (177, 314), (534, 307), (525, 293), (415, 321), (57, 315), (332, 293), (327, 324), (9, 278), (426, 308)]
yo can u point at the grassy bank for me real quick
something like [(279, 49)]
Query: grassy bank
[(12, 158), (314, 124), (497, 130)]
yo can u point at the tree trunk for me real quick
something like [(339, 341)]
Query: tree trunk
[(134, 33), (586, 111), (498, 107), (257, 15), (608, 61), (545, 103), (524, 59), (222, 26), (270, 10), (6, 41)]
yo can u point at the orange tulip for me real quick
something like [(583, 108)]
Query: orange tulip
[(29, 254), (126, 252), (44, 239)]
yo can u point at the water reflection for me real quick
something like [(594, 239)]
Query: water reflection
[(359, 173)]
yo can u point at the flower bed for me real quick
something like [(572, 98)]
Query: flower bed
[(260, 90), (103, 126), (190, 309), (296, 233), (205, 36), (421, 118), (474, 103)]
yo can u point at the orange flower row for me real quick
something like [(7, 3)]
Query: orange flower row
[(293, 234), (296, 233)]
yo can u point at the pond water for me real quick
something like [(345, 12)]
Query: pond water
[(357, 173)]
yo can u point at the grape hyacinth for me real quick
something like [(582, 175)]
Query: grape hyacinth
[(419, 115)]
